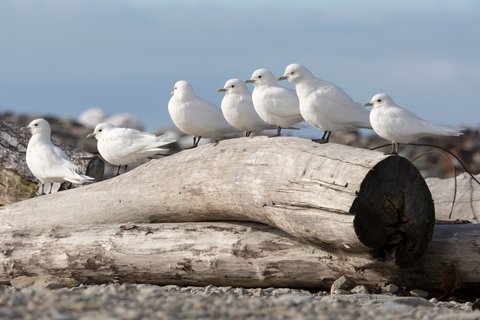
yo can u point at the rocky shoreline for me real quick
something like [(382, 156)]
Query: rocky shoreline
[(139, 301)]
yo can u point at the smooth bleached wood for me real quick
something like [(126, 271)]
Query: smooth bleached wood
[(467, 202), (225, 254), (330, 195)]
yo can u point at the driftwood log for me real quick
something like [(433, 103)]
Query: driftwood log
[(346, 200), (16, 181), (467, 202), (226, 254)]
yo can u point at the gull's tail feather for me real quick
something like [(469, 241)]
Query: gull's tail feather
[(160, 145), (79, 178), (165, 139), (155, 150), (445, 130)]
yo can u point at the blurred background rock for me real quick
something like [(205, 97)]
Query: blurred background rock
[(430, 161)]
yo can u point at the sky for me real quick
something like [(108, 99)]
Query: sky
[(61, 57)]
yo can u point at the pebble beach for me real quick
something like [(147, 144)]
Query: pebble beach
[(137, 301)]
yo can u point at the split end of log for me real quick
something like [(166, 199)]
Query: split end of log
[(394, 212)]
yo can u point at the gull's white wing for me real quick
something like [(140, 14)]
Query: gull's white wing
[(282, 102), (63, 158), (239, 112), (49, 161), (126, 141), (339, 107), (404, 123), (207, 119)]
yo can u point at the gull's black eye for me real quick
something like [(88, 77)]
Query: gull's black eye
[(233, 86), (293, 72), (36, 124), (259, 77), (99, 130), (379, 100)]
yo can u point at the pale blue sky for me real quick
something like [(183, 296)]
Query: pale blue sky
[(60, 57)]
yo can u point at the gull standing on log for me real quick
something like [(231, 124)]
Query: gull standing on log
[(398, 125), (238, 110), (47, 162), (123, 146), (274, 104), (196, 116), (325, 105)]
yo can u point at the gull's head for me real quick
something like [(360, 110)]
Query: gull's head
[(233, 86), (379, 100), (182, 90), (100, 130), (262, 77), (39, 126), (295, 73)]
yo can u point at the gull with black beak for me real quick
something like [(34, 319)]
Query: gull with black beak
[(325, 105), (238, 110), (276, 105), (196, 116), (123, 146), (47, 162), (398, 125)]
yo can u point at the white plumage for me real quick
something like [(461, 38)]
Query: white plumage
[(399, 125), (194, 115), (47, 162), (123, 146), (274, 104), (323, 104), (238, 110)]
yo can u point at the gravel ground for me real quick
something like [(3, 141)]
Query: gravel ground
[(128, 301)]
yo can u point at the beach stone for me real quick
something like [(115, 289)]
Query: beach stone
[(467, 306), (239, 292), (419, 293), (360, 289), (339, 291), (413, 301), (342, 283), (281, 291), (256, 292), (390, 288)]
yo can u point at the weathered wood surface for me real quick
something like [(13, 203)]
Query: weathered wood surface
[(327, 194), (225, 254), (16, 181), (467, 203)]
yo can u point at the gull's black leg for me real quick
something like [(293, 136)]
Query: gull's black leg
[(279, 131), (324, 138), (195, 143), (328, 136), (394, 150)]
